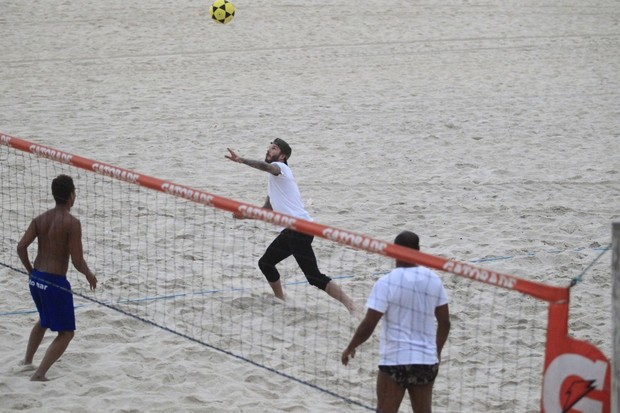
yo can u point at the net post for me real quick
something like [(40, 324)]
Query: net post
[(615, 270)]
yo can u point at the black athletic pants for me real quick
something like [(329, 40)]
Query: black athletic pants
[(299, 245)]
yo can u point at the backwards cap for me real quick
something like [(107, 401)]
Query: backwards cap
[(284, 147)]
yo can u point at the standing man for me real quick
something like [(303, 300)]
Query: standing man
[(412, 298), (283, 196), (59, 236)]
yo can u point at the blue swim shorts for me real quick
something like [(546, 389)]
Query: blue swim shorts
[(54, 300)]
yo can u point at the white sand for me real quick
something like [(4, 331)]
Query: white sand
[(491, 128)]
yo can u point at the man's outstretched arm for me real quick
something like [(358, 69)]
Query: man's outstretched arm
[(260, 165)]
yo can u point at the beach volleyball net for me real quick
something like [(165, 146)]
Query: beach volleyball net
[(174, 257)]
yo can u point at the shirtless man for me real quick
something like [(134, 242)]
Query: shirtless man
[(59, 236)]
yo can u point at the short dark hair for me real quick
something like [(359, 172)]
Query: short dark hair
[(62, 188), (408, 239)]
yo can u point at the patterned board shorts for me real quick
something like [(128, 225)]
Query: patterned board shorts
[(408, 374)]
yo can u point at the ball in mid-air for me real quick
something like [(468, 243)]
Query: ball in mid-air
[(222, 11)]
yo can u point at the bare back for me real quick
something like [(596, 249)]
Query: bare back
[(57, 232), (60, 237)]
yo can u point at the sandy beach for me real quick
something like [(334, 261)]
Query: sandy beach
[(489, 128)]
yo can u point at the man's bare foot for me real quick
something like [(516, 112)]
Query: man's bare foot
[(356, 312), (352, 308), (23, 367), (38, 377)]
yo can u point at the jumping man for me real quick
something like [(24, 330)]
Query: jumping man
[(283, 196)]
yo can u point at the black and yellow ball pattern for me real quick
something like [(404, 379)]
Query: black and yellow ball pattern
[(222, 11)]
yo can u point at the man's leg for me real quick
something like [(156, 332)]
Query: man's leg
[(34, 341), (301, 246), (334, 290), (389, 394), (276, 286), (421, 397), (53, 353), (277, 251)]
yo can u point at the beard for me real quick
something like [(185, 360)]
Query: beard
[(269, 159)]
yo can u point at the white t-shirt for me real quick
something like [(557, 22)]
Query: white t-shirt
[(407, 297), (284, 194)]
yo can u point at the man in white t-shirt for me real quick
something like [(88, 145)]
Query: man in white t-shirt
[(416, 321), (283, 196)]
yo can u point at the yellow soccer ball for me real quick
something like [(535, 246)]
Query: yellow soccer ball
[(222, 11)]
